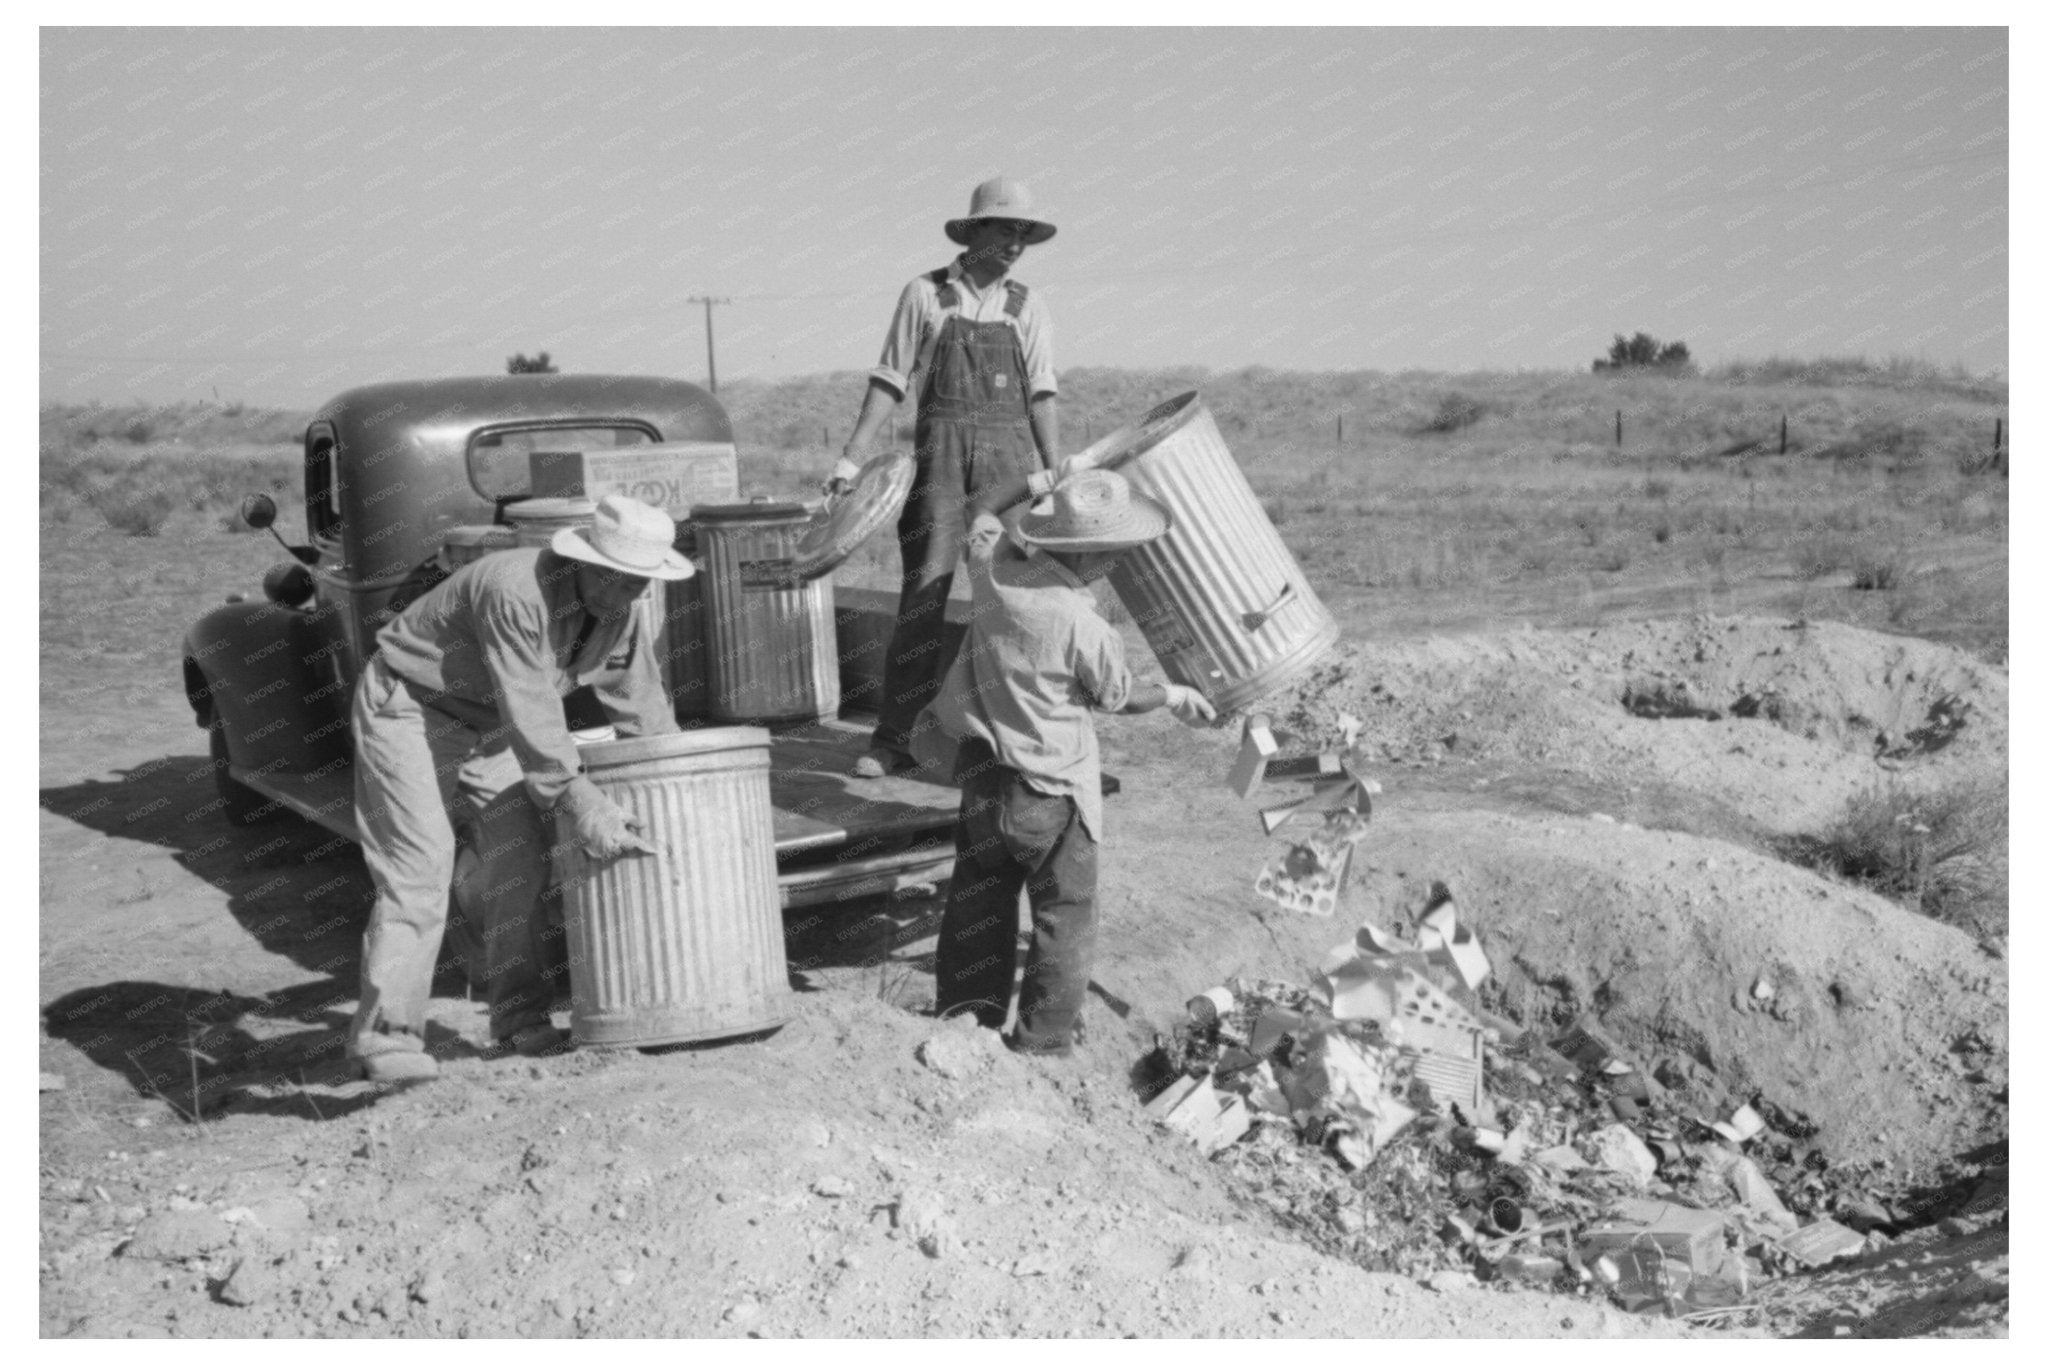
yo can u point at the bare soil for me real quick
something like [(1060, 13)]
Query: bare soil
[(869, 1171)]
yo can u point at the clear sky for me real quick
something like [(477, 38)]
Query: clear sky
[(278, 214)]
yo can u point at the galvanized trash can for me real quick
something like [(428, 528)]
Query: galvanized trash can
[(774, 649), (686, 645), (1219, 597), (534, 521), (686, 944)]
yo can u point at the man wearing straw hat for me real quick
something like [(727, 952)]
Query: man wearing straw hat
[(462, 701), (976, 345), (1037, 662)]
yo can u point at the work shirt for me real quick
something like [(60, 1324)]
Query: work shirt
[(919, 317), (496, 645), (1037, 659)]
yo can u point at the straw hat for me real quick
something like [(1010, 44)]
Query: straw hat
[(628, 535), (1095, 510), (1001, 197)]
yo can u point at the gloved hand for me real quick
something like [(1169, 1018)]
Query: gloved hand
[(843, 475), (597, 825), (1189, 707), (983, 533)]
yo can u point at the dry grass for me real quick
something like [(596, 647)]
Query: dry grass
[(1530, 514), (1941, 852)]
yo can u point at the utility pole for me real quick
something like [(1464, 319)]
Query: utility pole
[(710, 350)]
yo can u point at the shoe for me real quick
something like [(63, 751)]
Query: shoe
[(537, 1040), (881, 762), (400, 1068)]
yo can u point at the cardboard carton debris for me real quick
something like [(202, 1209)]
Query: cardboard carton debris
[(1740, 1126), (1254, 751), (1618, 1149), (1821, 1242)]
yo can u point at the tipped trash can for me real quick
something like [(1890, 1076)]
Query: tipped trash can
[(686, 944), (1219, 597)]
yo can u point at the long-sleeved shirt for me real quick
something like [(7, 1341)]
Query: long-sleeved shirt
[(918, 317), (497, 646), (1038, 658)]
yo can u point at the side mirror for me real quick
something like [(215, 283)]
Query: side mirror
[(259, 510)]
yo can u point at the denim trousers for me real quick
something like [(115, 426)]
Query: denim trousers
[(419, 773), (1009, 838), (956, 461)]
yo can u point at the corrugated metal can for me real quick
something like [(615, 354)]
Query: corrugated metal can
[(534, 521), (774, 655), (467, 544), (686, 646), (684, 944), (1219, 597)]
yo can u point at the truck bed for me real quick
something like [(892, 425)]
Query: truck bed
[(837, 837)]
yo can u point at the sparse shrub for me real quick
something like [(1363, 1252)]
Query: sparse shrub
[(1276, 510), (1661, 532), (1658, 489), (1878, 569), (1614, 560), (1454, 412), (1643, 351), (1941, 852), (1817, 556), (142, 514), (138, 432)]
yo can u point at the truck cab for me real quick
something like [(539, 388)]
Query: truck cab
[(396, 471)]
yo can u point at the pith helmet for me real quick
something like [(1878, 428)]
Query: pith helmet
[(1001, 197)]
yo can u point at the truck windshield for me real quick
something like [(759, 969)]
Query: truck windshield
[(501, 462)]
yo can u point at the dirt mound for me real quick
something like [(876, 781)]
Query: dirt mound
[(1730, 973), (825, 1182), (1780, 722)]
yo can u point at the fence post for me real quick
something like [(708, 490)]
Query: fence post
[(1998, 444), (1784, 432), (1340, 428), (1617, 428), (825, 435)]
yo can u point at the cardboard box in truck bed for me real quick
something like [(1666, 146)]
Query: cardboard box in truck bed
[(674, 476)]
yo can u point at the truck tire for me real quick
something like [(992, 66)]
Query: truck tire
[(240, 805)]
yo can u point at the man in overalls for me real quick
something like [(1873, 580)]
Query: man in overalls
[(978, 346)]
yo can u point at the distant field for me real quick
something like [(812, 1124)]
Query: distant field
[(1452, 502)]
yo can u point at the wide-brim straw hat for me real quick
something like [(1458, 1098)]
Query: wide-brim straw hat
[(1001, 198), (627, 535), (1093, 511)]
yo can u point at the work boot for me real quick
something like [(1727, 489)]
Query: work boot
[(400, 1068)]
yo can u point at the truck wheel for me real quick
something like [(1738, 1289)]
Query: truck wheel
[(239, 804)]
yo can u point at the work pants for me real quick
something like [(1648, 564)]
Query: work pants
[(956, 462), (419, 772), (1010, 838)]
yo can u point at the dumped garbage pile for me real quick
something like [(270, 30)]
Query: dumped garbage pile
[(1388, 1116)]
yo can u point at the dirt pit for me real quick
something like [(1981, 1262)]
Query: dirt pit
[(847, 1177)]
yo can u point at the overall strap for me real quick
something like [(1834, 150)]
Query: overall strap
[(949, 301), (1017, 292)]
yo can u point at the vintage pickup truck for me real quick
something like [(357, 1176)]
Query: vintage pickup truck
[(393, 471)]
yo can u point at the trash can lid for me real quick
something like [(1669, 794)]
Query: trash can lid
[(618, 753), (549, 509), (875, 500), (1126, 443), (759, 509)]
